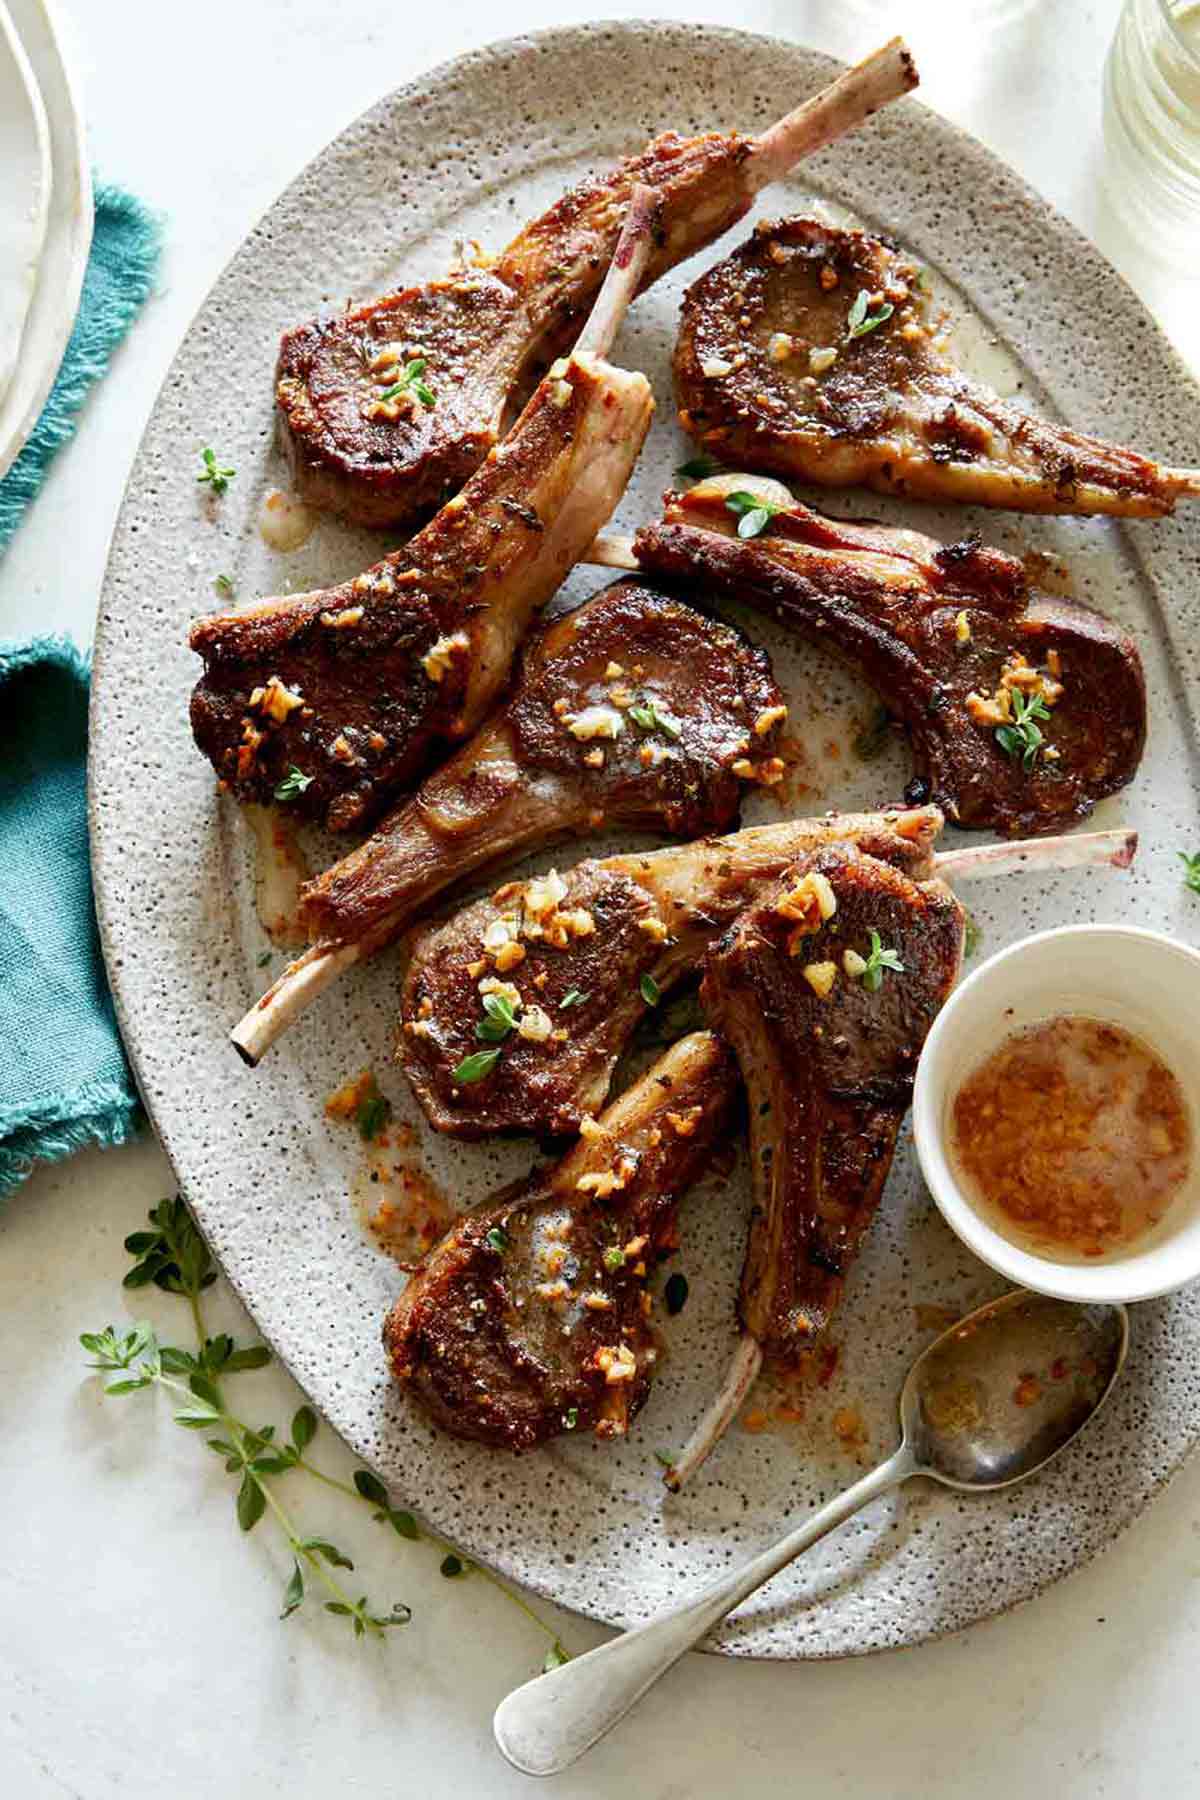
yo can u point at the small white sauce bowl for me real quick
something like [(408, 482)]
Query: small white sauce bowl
[(1141, 980)]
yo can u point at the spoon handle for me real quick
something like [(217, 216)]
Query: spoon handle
[(547, 1724)]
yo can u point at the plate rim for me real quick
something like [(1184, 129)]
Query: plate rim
[(68, 238), (972, 150)]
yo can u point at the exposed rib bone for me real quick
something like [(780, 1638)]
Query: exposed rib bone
[(287, 998), (624, 275), (611, 550), (740, 1377), (881, 77), (1090, 849)]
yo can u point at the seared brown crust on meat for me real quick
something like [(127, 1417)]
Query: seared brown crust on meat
[(609, 927), (484, 335), (690, 696), (379, 462), (936, 632), (532, 1316), (687, 697), (889, 411), (828, 1079), (376, 693), (543, 1087)]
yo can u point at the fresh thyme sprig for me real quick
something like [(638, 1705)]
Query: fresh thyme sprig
[(698, 468), (754, 512), (174, 1257), (1191, 870), (858, 322), (214, 473), (1023, 739), (294, 783), (411, 383), (882, 957)]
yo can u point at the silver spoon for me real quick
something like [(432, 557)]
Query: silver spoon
[(990, 1402)]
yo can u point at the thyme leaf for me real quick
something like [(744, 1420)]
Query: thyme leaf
[(881, 958), (475, 1067), (294, 783), (216, 475)]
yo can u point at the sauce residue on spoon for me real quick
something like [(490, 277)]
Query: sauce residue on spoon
[(1074, 1137)]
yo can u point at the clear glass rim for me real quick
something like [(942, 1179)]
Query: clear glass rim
[(1169, 17)]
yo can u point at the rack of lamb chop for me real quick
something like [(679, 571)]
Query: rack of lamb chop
[(1021, 709), (532, 1316), (387, 408), (338, 701), (514, 1011), (811, 352), (826, 988), (635, 709)]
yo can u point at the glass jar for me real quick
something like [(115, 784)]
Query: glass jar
[(1152, 126)]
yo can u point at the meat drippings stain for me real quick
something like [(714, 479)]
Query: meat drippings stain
[(396, 1200), (280, 871), (930, 1317), (284, 523)]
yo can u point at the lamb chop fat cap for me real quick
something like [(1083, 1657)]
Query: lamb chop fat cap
[(774, 372), (532, 1316)]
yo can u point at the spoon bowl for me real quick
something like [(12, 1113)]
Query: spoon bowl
[(987, 1404), (1008, 1387)]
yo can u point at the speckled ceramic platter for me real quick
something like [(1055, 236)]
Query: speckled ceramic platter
[(469, 151)]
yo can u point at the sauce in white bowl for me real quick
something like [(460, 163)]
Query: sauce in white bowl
[(1090, 1035)]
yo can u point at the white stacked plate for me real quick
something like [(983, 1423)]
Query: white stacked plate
[(45, 216)]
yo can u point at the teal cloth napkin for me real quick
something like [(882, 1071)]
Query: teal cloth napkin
[(64, 1080)]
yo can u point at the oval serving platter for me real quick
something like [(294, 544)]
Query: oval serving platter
[(468, 152)]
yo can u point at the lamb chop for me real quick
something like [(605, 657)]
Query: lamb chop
[(635, 709), (811, 352), (337, 701), (825, 987), (532, 1316), (387, 408), (515, 1010), (1022, 710)]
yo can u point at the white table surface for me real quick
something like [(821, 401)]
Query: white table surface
[(139, 1649)]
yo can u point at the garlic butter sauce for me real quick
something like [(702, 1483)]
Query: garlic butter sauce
[(1073, 1137)]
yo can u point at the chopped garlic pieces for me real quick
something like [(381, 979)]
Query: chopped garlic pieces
[(962, 628), (595, 722), (544, 892), (780, 346), (713, 367), (810, 902), (617, 1362), (654, 929), (344, 620), (770, 715), (820, 360), (536, 1025), (820, 978), (505, 989), (437, 660), (854, 964), (275, 700)]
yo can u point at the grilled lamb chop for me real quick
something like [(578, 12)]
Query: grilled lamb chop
[(532, 1316), (827, 1040), (344, 696), (810, 352), (580, 959), (1022, 710), (635, 710), (386, 409)]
